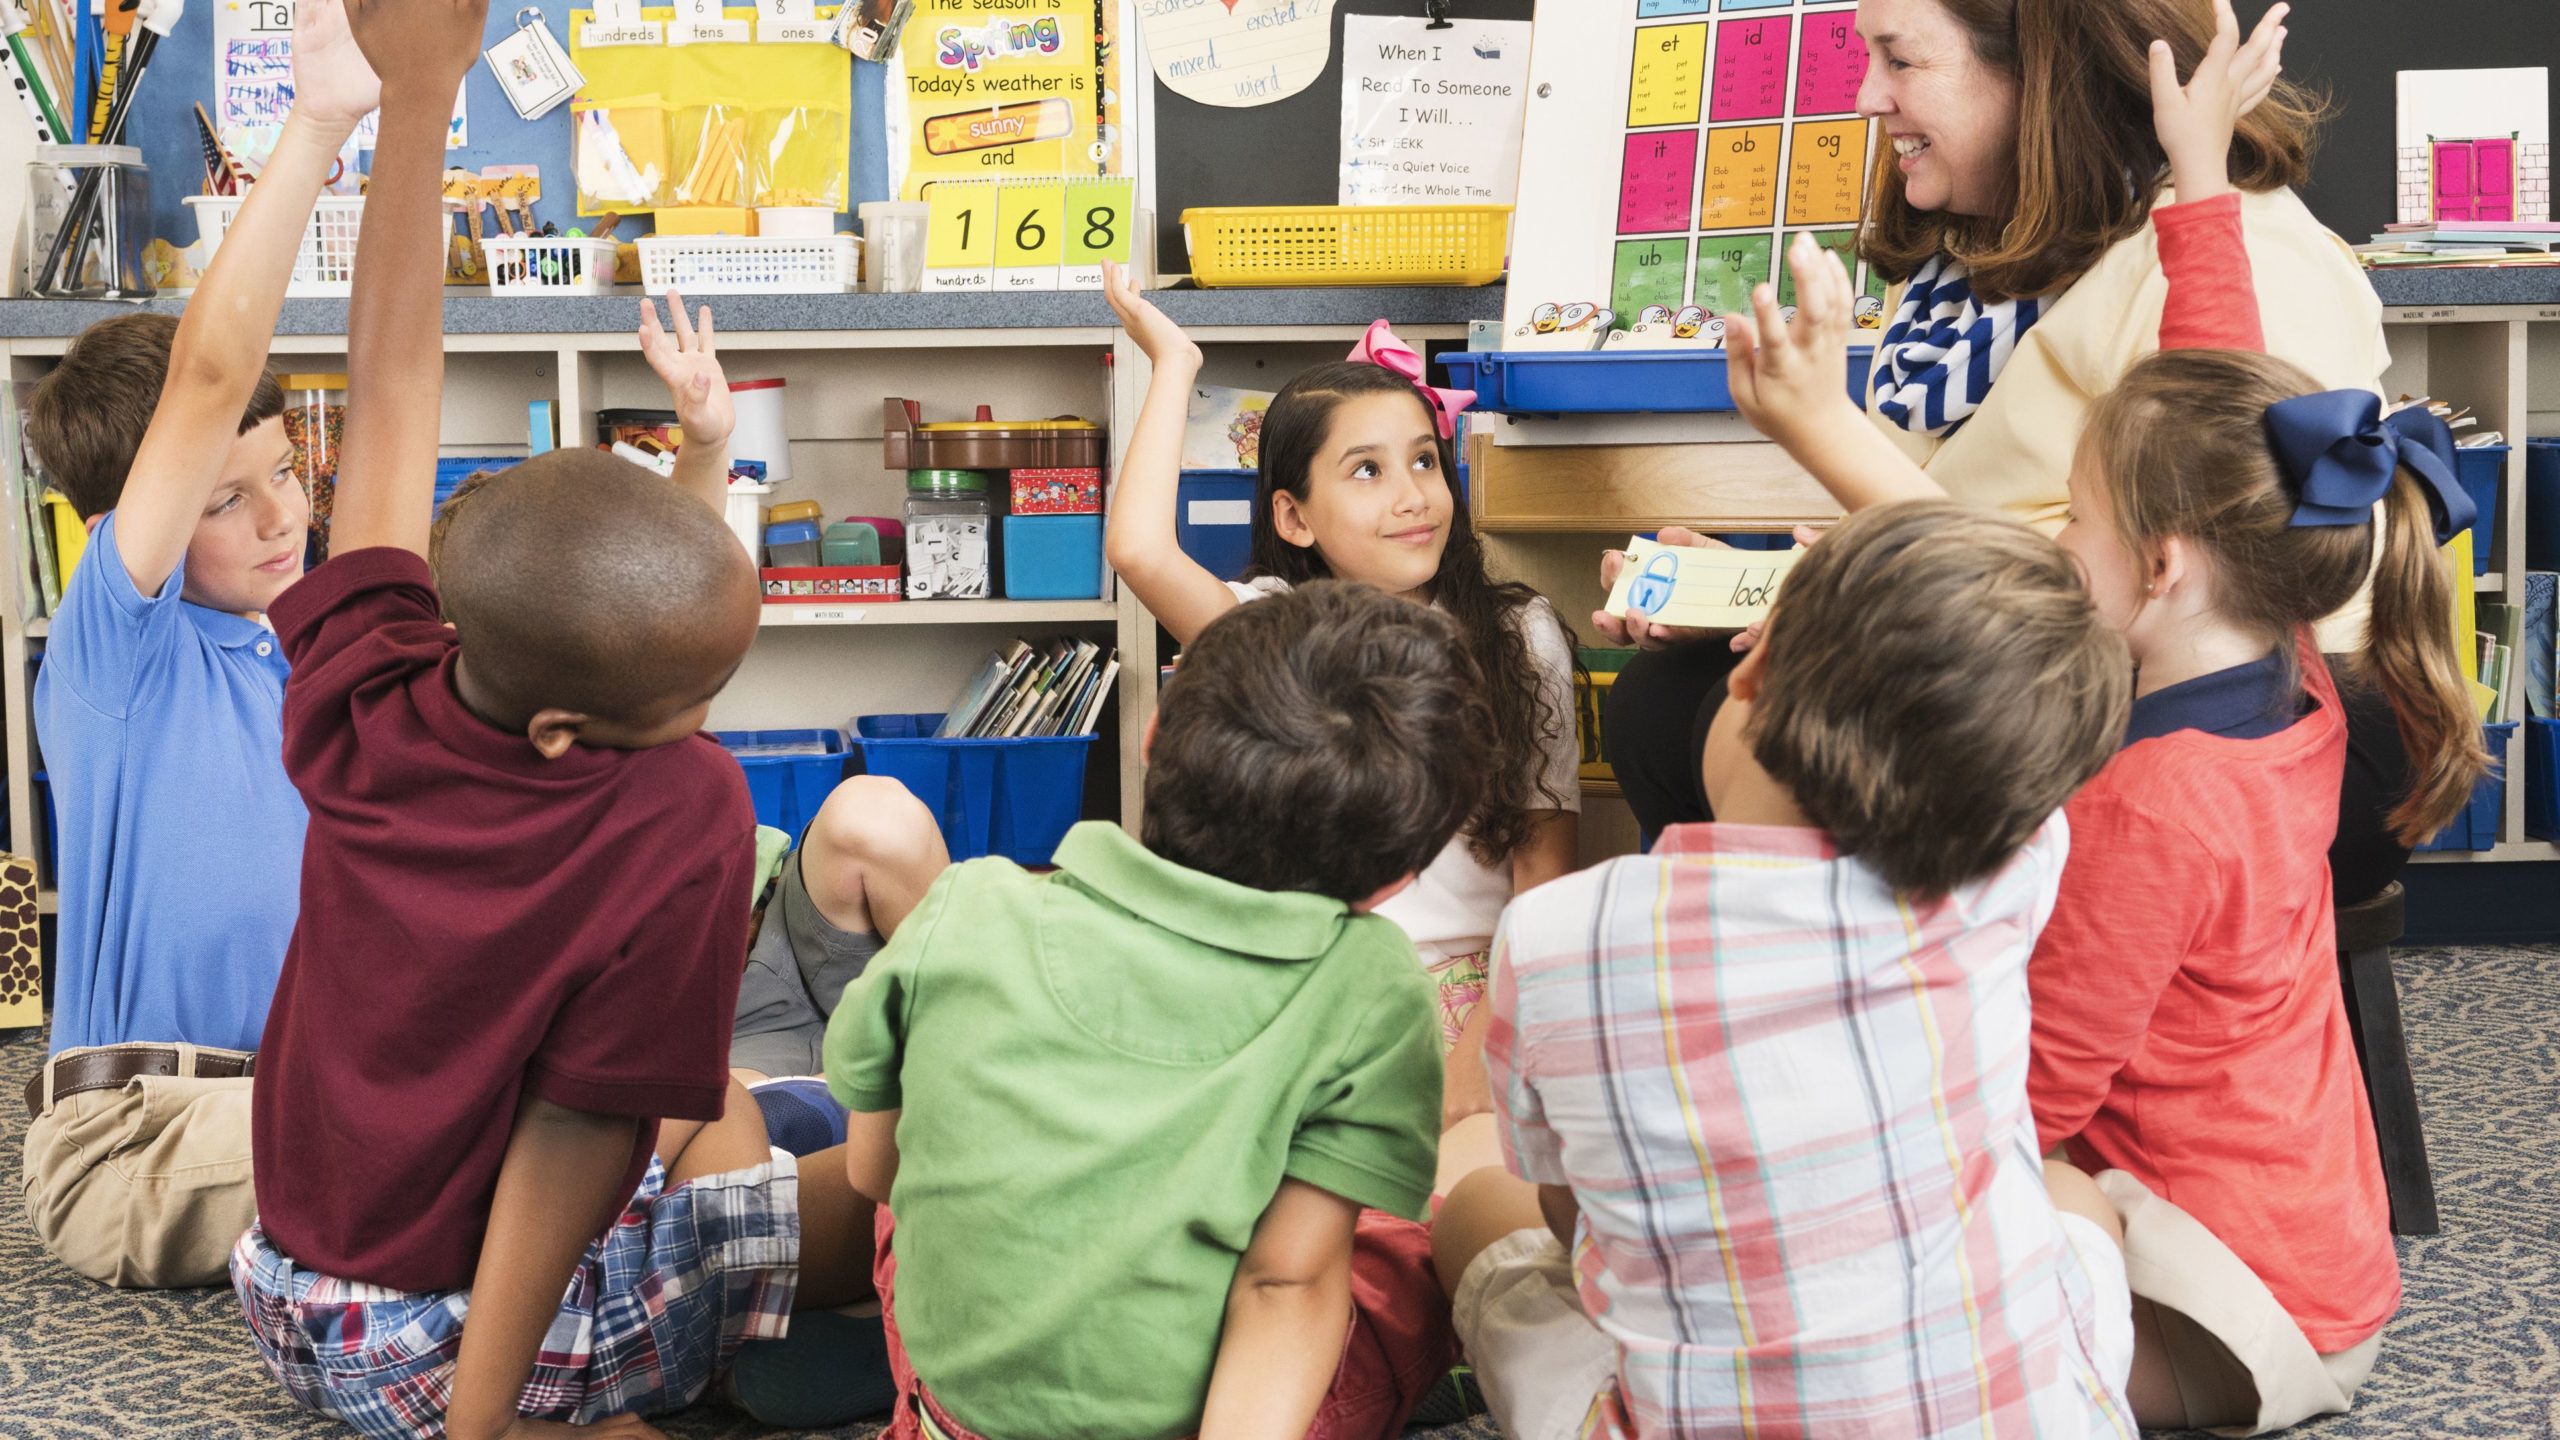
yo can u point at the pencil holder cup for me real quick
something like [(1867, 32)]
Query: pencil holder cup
[(88, 217)]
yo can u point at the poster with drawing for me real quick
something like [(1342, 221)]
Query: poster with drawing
[(2474, 146), (1727, 127)]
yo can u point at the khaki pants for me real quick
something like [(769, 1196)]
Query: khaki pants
[(145, 1186)]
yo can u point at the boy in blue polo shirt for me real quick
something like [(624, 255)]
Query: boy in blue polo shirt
[(160, 706)]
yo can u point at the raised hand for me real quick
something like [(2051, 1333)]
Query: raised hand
[(421, 45), (332, 83), (688, 363), (1791, 381), (2194, 121), (1162, 341)]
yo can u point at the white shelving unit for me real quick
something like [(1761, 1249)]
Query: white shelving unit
[(2504, 363), (813, 664)]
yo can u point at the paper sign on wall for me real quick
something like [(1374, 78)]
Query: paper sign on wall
[(987, 90), (253, 71), (1704, 589), (1237, 53), (1432, 117)]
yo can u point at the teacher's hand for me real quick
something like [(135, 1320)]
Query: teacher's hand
[(1629, 630)]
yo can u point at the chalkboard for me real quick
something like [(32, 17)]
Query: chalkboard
[(1285, 153), (2355, 50)]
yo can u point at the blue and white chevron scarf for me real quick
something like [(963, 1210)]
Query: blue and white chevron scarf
[(1945, 348)]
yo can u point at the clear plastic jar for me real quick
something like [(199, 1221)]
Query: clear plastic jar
[(950, 535), (87, 218), (315, 419)]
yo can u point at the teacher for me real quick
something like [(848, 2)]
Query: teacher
[(2021, 166)]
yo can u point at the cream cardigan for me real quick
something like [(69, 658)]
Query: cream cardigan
[(2314, 302)]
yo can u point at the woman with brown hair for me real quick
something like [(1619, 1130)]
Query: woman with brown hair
[(2013, 205)]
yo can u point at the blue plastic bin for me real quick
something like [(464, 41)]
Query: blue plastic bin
[(1609, 382), (1213, 520), (2476, 828), (2542, 779), (1053, 557), (2483, 473), (2542, 504), (787, 789), (1015, 798)]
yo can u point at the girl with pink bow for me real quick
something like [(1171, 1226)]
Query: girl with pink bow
[(1355, 485)]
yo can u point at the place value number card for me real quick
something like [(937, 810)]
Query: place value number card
[(1704, 589), (1049, 233)]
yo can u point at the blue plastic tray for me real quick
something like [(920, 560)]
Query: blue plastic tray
[(787, 789), (1011, 797), (1610, 382)]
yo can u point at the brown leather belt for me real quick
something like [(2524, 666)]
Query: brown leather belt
[(110, 1067)]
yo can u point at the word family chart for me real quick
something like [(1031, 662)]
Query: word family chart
[(1675, 147)]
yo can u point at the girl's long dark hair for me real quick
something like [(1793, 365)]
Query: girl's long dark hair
[(1293, 436)]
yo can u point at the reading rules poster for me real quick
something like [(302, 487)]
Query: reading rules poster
[(1721, 128), (995, 89)]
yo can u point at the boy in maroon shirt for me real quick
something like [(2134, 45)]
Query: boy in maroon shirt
[(494, 1079)]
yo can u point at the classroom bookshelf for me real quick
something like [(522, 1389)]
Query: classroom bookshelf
[(812, 665), (2489, 340)]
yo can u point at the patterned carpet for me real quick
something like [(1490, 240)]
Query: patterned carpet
[(2474, 1352)]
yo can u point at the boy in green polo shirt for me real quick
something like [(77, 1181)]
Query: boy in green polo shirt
[(1137, 1118)]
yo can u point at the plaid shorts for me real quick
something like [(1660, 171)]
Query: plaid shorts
[(654, 1313)]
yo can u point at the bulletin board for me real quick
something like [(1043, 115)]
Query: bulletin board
[(1674, 148), (1288, 152), (183, 76)]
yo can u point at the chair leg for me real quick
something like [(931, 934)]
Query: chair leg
[(2373, 1011)]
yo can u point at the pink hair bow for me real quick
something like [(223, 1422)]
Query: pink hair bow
[(1381, 347)]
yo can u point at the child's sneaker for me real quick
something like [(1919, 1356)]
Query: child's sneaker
[(799, 1115)]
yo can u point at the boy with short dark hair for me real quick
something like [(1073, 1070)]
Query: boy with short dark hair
[(160, 702), (1131, 1113), (1762, 1093), (505, 1182)]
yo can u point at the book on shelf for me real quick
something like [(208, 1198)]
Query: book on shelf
[(2501, 639), (1033, 691), (2541, 599)]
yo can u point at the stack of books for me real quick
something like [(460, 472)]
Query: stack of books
[(2463, 243), (1026, 690)]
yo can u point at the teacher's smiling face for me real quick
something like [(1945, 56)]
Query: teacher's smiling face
[(1950, 116)]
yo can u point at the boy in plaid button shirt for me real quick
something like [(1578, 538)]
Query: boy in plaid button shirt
[(1763, 1092)]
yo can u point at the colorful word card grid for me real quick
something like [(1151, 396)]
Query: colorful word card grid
[(1741, 130)]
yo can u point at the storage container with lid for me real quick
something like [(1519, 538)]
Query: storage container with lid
[(908, 443), (950, 535)]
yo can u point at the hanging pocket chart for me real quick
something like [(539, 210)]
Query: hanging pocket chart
[(631, 83)]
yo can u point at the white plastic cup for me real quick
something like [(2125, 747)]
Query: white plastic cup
[(893, 234), (760, 434), (745, 514)]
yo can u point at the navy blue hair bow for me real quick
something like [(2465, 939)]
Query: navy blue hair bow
[(2341, 453)]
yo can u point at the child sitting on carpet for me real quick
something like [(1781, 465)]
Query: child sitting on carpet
[(505, 1182), (1129, 1114), (2191, 1047), (1763, 1091)]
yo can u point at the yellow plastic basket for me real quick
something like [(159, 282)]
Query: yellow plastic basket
[(1347, 244)]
